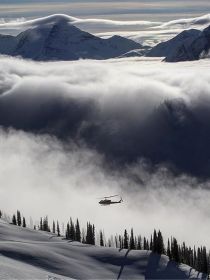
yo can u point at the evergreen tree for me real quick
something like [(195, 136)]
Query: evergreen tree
[(151, 244), (160, 244), (45, 226), (77, 232), (125, 241), (14, 221), (93, 235), (0, 214), (175, 251), (58, 229), (90, 234), (72, 234), (101, 239), (155, 249), (132, 243), (41, 224), (169, 250), (19, 221), (53, 227), (24, 222), (68, 231), (204, 261), (116, 241), (121, 242), (145, 244), (135, 241), (139, 243)]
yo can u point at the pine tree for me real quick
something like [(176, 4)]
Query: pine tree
[(45, 224), (101, 239), (14, 221), (160, 244), (169, 250), (53, 227), (121, 242), (24, 222), (88, 234), (175, 251), (72, 230), (155, 241), (125, 241), (135, 241), (77, 232), (67, 231), (58, 229), (19, 222), (0, 214), (139, 244), (41, 224), (204, 261), (116, 241), (151, 244), (93, 235), (132, 243), (145, 244)]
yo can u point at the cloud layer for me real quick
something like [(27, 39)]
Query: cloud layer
[(75, 131), (126, 111), (40, 176)]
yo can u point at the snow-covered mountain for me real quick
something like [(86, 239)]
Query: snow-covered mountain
[(187, 46), (30, 254), (58, 39)]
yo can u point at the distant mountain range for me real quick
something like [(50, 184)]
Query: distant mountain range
[(189, 45), (60, 40), (56, 38)]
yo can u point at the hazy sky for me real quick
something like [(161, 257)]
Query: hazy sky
[(142, 9)]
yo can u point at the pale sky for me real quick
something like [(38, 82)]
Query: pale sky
[(163, 10)]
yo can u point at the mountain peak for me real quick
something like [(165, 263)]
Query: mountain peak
[(56, 38), (189, 45)]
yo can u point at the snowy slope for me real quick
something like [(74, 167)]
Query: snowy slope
[(29, 254), (187, 46), (58, 39)]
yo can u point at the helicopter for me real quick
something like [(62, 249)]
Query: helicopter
[(106, 201)]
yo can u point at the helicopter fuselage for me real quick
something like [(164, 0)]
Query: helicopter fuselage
[(108, 202)]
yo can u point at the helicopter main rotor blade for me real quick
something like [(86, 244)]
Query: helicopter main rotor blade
[(108, 196)]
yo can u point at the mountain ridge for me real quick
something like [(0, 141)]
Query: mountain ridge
[(189, 45), (58, 39)]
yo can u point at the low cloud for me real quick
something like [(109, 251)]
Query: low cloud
[(75, 131), (22, 23), (41, 176), (125, 111), (188, 22)]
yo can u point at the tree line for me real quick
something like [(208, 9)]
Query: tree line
[(197, 258)]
